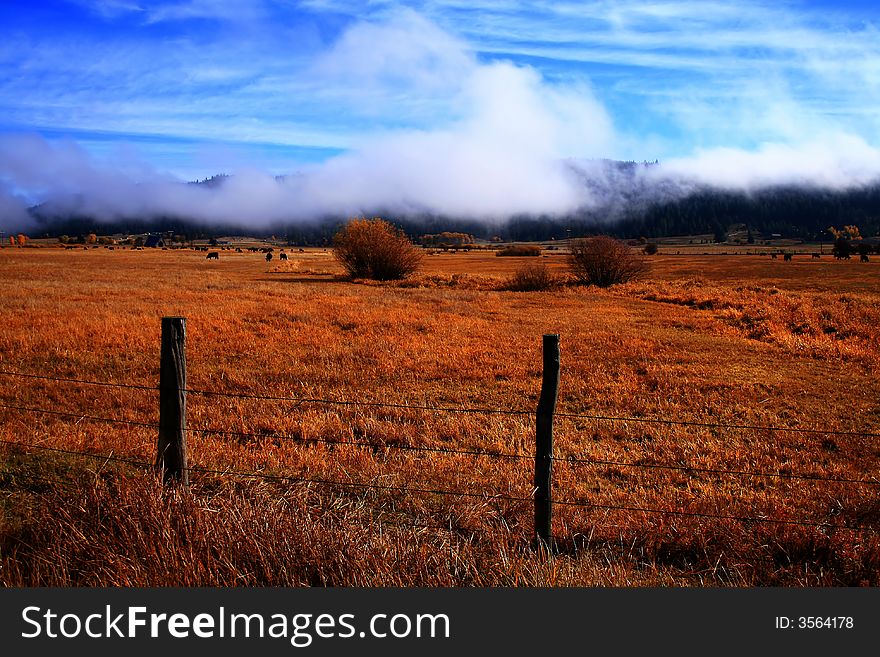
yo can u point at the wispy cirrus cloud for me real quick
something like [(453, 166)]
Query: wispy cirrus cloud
[(824, 58), (110, 9), (155, 11), (665, 69), (234, 10)]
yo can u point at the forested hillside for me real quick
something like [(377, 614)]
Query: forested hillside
[(625, 200)]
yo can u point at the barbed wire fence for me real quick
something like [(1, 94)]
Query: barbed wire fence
[(172, 464)]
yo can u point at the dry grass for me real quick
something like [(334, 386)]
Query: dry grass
[(735, 340)]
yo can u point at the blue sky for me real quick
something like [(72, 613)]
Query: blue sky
[(343, 89)]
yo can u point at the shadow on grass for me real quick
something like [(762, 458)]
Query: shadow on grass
[(285, 277)]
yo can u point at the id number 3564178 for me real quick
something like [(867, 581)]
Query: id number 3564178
[(815, 623)]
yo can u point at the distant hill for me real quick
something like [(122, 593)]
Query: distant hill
[(626, 200)]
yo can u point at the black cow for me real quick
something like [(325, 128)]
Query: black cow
[(268, 257), (863, 257), (283, 256), (213, 255), (816, 256), (787, 257)]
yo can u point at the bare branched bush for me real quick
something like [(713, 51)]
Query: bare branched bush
[(532, 277), (520, 250), (605, 261), (373, 248)]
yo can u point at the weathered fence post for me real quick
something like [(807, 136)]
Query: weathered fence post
[(544, 440), (171, 450)]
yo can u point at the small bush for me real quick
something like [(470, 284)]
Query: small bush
[(605, 261), (373, 248), (532, 277), (521, 250)]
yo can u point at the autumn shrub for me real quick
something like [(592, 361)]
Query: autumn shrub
[(373, 248), (532, 277), (520, 250), (604, 261)]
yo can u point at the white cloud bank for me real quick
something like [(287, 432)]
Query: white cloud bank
[(836, 161)]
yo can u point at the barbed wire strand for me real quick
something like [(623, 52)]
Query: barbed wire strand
[(108, 384), (477, 410), (484, 496), (716, 516), (299, 400), (356, 443), (445, 450), (245, 434), (82, 416), (365, 404), (710, 425), (100, 457), (359, 484), (688, 468)]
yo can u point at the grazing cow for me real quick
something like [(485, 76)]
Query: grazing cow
[(238, 250), (863, 258), (816, 256), (268, 257), (213, 255), (787, 257), (773, 255), (283, 256)]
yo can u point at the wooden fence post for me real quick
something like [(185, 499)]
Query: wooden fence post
[(171, 450), (544, 440)]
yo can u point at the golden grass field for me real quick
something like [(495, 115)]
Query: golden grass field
[(708, 339)]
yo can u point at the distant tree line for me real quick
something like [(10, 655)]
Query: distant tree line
[(446, 239), (789, 212)]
